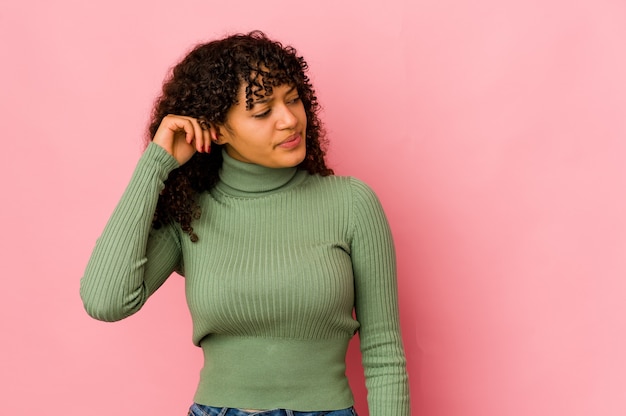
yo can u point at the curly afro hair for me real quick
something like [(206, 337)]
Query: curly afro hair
[(205, 85)]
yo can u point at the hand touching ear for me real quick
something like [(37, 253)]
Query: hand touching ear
[(182, 136)]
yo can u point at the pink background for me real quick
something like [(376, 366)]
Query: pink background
[(494, 133)]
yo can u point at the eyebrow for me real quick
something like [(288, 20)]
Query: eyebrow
[(268, 98)]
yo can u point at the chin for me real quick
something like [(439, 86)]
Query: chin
[(299, 158), (291, 159)]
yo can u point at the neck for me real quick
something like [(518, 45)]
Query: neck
[(248, 179)]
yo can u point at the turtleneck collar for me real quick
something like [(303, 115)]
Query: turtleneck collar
[(247, 179)]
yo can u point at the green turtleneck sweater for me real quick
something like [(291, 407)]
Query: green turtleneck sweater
[(282, 260)]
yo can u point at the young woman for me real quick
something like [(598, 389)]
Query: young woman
[(233, 193)]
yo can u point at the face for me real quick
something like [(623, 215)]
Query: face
[(271, 133)]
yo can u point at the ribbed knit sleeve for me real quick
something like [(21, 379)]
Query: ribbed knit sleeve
[(130, 259), (376, 305)]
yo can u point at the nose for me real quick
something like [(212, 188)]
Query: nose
[(287, 119)]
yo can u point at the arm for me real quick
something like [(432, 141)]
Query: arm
[(376, 305), (130, 260)]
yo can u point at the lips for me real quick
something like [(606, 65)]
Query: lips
[(291, 141)]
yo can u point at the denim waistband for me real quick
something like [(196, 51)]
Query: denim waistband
[(202, 410)]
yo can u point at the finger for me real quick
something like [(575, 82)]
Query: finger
[(206, 135), (198, 135), (170, 127), (186, 124), (177, 125)]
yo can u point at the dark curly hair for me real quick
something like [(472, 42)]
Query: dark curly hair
[(205, 85)]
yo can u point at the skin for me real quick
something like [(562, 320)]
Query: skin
[(272, 133)]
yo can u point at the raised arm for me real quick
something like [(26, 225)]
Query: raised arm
[(131, 260)]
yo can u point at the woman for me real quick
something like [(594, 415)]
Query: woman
[(233, 193)]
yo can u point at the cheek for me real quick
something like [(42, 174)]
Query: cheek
[(302, 115)]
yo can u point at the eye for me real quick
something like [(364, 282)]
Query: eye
[(263, 114), (294, 100)]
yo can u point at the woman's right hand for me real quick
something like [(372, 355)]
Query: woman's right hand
[(182, 136)]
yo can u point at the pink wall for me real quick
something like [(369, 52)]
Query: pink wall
[(493, 131)]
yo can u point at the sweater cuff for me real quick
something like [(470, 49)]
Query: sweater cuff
[(157, 158)]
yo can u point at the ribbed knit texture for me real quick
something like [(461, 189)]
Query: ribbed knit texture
[(282, 259)]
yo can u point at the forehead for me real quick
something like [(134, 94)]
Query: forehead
[(260, 88)]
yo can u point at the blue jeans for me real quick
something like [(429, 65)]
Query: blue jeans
[(202, 410)]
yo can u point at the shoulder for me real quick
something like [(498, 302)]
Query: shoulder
[(349, 191), (349, 184), (358, 190)]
